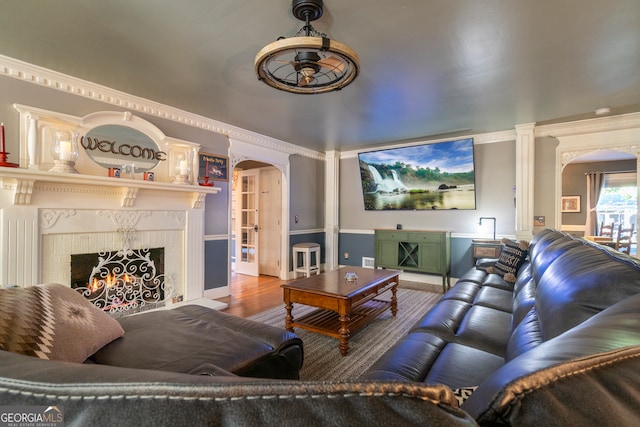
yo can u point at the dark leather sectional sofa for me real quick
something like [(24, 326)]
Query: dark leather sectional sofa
[(561, 346)]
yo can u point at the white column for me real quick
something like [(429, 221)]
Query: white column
[(20, 261), (331, 198), (525, 166), (32, 142), (194, 255)]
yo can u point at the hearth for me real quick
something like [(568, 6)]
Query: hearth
[(122, 282)]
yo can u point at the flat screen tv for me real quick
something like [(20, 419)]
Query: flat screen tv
[(438, 175)]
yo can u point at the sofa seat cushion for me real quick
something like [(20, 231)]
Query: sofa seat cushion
[(410, 359), (486, 329), (463, 290), (499, 299), (443, 319), (473, 275), (194, 340), (497, 282), (453, 368)]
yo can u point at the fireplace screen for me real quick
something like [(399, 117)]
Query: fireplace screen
[(121, 282)]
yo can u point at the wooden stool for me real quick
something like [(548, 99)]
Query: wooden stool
[(306, 249)]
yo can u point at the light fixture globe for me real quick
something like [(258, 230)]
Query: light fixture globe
[(308, 64)]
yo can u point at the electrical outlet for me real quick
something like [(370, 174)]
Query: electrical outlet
[(346, 255)]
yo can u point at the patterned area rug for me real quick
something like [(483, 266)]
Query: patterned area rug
[(322, 359)]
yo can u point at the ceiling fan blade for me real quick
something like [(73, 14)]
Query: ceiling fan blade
[(284, 61), (332, 63)]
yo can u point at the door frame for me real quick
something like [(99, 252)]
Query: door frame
[(240, 151)]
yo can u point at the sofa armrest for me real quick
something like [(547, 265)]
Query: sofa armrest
[(91, 394)]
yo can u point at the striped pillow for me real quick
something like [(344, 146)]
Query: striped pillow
[(512, 256), (53, 322)]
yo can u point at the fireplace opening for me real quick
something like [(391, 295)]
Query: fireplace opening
[(121, 282)]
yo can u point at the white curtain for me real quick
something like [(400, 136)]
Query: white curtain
[(595, 181)]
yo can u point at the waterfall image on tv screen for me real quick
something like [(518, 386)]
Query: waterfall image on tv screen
[(439, 175)]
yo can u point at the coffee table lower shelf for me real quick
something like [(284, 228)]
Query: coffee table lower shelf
[(327, 322)]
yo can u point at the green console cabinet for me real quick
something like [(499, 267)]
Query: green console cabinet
[(413, 250)]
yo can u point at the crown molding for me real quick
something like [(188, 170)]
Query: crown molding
[(34, 74), (588, 126), (479, 138)]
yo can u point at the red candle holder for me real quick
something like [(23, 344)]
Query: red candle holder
[(3, 153), (4, 163), (206, 182)]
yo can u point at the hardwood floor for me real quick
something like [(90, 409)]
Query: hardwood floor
[(251, 295)]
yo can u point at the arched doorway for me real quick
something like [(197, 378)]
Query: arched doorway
[(615, 144), (612, 197), (256, 223)]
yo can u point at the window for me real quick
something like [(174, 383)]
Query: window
[(618, 201)]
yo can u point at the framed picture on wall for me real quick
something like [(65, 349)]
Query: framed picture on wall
[(213, 167), (570, 203)]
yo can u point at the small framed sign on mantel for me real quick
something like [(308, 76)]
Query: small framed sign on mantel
[(213, 167)]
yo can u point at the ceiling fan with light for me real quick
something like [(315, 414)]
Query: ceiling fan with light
[(309, 62)]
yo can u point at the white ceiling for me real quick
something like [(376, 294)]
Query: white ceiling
[(429, 67)]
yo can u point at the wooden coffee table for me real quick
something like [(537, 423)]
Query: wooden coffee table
[(344, 306)]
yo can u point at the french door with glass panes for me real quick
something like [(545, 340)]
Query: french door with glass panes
[(247, 236)]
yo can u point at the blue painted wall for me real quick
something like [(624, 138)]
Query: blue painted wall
[(216, 264), (357, 246)]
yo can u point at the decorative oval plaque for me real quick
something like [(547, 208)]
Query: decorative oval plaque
[(122, 146)]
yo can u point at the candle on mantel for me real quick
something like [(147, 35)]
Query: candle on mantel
[(184, 169), (65, 150), (2, 138)]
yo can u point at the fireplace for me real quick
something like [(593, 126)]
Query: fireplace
[(46, 217), (122, 282)]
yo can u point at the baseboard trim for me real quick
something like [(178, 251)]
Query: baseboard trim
[(220, 292)]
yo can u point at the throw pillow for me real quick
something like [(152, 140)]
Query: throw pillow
[(512, 257), (53, 322), (463, 393)]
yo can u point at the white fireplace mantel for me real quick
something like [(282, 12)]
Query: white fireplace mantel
[(25, 182)]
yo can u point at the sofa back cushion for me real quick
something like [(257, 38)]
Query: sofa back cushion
[(525, 336), (550, 254), (581, 281), (523, 296), (543, 239)]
